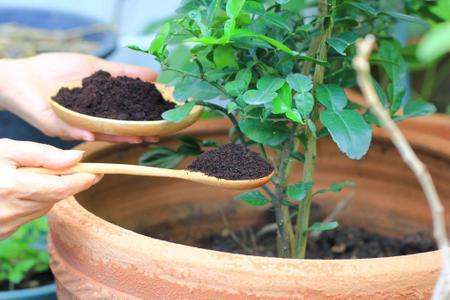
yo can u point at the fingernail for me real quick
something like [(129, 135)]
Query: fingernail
[(98, 178), (75, 154), (137, 141)]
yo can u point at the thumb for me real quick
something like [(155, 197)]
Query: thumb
[(29, 154)]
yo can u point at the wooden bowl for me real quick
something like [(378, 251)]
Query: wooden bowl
[(121, 127)]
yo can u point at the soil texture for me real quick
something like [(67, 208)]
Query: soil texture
[(231, 161), (343, 242), (121, 98)]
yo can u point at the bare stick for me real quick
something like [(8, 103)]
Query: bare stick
[(361, 65)]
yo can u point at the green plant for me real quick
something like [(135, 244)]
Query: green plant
[(24, 253), (280, 68)]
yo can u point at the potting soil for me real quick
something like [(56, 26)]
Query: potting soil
[(233, 162), (121, 98)]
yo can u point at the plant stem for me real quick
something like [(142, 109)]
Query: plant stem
[(282, 215), (305, 205), (311, 145)]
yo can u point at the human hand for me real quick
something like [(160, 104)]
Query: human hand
[(27, 85), (27, 196)]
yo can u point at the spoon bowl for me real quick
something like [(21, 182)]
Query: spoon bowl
[(104, 168), (121, 127)]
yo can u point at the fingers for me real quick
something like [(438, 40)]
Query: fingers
[(29, 154), (48, 188), (10, 227), (118, 69), (125, 139)]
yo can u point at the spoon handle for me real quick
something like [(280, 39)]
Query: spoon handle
[(104, 168)]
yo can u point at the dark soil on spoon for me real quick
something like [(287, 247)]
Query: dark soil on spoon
[(346, 242), (233, 162), (121, 98)]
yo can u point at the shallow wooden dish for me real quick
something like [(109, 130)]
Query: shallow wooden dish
[(121, 127)]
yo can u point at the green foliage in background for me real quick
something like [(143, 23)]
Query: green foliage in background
[(24, 253)]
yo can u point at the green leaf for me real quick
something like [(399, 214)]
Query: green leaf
[(395, 66), (294, 115), (160, 40), (283, 102), (299, 190), (236, 87), (269, 82), (245, 75), (254, 198), (136, 48), (416, 109), (304, 103), (254, 7), (277, 20), (196, 16), (336, 187), (312, 127), (365, 8), (299, 82), (231, 107), (403, 17), (349, 131), (380, 92), (320, 226), (332, 96), (268, 133), (342, 41), (196, 89), (234, 7), (178, 114), (435, 43), (257, 97), (240, 33), (223, 57), (161, 157)]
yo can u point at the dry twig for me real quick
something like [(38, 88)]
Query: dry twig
[(362, 67)]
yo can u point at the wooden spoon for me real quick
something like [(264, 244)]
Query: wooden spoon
[(104, 168), (121, 127)]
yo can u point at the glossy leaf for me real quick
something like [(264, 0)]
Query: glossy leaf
[(349, 131), (178, 113), (299, 190), (320, 226), (283, 102), (270, 83), (299, 82), (253, 198), (223, 57), (342, 41), (159, 42), (268, 133), (236, 87), (304, 103), (336, 187), (257, 97), (234, 7), (331, 96)]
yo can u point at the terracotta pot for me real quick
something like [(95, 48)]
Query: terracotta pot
[(96, 252)]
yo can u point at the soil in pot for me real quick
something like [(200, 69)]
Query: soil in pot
[(344, 242), (231, 161), (341, 243), (35, 280), (121, 98)]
